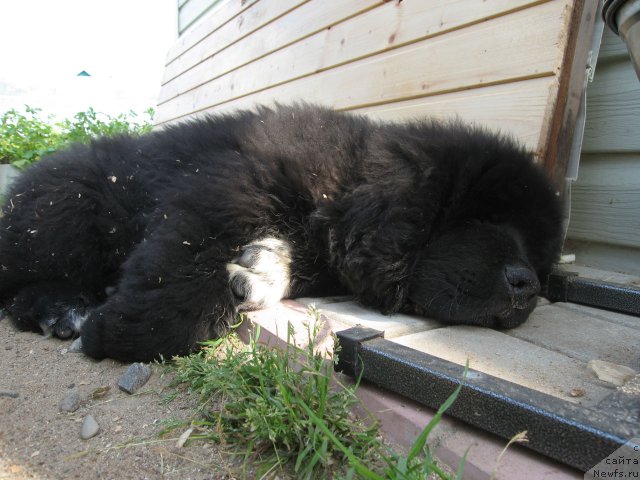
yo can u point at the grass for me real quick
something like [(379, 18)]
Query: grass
[(284, 411)]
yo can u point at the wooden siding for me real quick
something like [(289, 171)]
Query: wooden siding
[(604, 229), (190, 11), (606, 200), (494, 62), (613, 108), (516, 108)]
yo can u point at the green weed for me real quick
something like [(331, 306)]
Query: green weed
[(283, 410)]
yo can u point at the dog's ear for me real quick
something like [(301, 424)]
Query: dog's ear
[(373, 236)]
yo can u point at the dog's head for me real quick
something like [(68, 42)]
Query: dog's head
[(462, 227), (493, 243), (477, 273)]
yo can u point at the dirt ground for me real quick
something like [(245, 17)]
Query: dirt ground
[(38, 441)]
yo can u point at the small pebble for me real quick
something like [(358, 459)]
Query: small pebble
[(611, 373), (135, 377), (577, 392), (70, 403), (9, 394), (76, 346), (90, 427)]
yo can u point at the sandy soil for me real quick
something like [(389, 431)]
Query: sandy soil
[(37, 441)]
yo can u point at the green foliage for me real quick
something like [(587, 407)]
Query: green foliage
[(284, 410), (26, 136)]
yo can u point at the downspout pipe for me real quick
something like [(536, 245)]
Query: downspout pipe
[(623, 18)]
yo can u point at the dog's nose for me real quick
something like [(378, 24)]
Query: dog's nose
[(523, 285)]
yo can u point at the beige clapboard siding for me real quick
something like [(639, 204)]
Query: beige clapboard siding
[(606, 200), (500, 50), (191, 10), (374, 31), (241, 26), (613, 109), (516, 109), (309, 19), (222, 13)]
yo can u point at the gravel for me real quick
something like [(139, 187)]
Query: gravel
[(134, 378), (38, 442), (70, 403), (90, 428)]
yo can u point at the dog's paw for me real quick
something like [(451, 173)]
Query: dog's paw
[(50, 308), (260, 276), (66, 324)]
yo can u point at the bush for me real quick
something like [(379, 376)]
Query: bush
[(26, 136)]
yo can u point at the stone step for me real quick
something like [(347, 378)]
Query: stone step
[(578, 333), (512, 359), (351, 314), (614, 317)]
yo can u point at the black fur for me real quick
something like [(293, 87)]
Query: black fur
[(443, 219)]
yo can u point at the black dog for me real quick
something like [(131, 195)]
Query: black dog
[(146, 246)]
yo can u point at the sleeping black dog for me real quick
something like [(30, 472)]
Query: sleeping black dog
[(146, 246)]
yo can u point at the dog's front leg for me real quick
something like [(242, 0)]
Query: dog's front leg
[(173, 293)]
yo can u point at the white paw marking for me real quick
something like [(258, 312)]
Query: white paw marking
[(77, 319), (261, 274), (47, 326), (72, 318)]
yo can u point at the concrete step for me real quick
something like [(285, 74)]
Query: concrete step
[(402, 419), (578, 333), (352, 314), (512, 359)]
